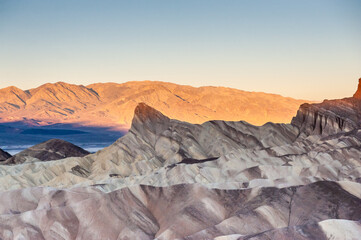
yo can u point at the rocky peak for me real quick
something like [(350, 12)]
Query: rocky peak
[(4, 155), (13, 95), (144, 113), (358, 92), (148, 122)]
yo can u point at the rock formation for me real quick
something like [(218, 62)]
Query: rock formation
[(329, 117), (168, 179), (4, 155), (52, 149), (112, 105), (186, 211), (358, 91)]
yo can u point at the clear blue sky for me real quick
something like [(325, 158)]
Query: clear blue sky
[(308, 49)]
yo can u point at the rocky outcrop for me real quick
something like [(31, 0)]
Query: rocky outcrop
[(358, 91), (330, 116), (112, 105), (52, 149), (4, 155)]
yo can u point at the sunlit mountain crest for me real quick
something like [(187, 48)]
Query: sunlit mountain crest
[(112, 104)]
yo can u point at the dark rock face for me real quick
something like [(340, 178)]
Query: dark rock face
[(330, 116), (52, 149), (4, 155)]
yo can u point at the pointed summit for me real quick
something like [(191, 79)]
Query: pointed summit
[(4, 155), (144, 113), (358, 92), (148, 122)]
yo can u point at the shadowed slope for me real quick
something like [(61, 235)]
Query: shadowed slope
[(4, 155), (52, 149)]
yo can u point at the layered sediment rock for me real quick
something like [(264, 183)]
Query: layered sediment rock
[(179, 212)]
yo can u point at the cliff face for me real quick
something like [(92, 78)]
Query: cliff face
[(329, 117)]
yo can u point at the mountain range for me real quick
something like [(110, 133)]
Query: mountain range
[(112, 105), (170, 179)]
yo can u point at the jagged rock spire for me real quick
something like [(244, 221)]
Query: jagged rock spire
[(358, 92)]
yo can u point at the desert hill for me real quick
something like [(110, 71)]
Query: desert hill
[(170, 179), (52, 149), (111, 104)]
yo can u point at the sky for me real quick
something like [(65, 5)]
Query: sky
[(308, 49)]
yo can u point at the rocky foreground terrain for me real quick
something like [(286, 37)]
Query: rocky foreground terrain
[(112, 105), (168, 179)]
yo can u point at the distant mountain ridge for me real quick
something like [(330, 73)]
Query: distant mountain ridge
[(112, 104)]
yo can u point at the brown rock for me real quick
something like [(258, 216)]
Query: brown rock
[(52, 149), (358, 92)]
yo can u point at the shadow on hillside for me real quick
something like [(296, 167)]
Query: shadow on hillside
[(16, 136)]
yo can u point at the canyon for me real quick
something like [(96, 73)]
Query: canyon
[(171, 179)]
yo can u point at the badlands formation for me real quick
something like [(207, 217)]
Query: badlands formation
[(168, 179), (112, 105), (52, 149)]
